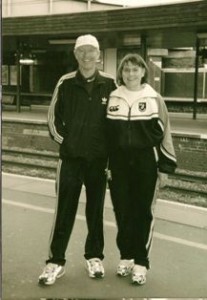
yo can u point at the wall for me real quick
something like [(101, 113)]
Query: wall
[(16, 8), (191, 152), (110, 58)]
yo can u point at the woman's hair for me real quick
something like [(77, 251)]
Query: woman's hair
[(136, 60)]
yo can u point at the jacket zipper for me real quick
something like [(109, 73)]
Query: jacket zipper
[(129, 127), (129, 122)]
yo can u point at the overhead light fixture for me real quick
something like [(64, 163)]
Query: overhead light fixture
[(26, 58), (27, 61), (62, 42)]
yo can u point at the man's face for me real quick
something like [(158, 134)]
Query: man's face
[(87, 56)]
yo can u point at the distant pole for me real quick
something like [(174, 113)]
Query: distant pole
[(18, 94), (89, 5), (144, 47), (196, 79), (8, 8), (50, 6)]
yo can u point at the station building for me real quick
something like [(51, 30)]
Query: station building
[(38, 39)]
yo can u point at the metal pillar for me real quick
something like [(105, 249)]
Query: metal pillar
[(89, 5), (196, 79), (18, 91), (50, 7), (144, 47)]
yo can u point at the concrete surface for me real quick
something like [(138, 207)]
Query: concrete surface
[(178, 256)]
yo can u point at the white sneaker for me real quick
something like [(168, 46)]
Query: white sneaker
[(125, 267), (139, 274), (95, 268), (50, 273)]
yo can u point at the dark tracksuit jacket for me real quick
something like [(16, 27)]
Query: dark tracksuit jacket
[(77, 121), (140, 144)]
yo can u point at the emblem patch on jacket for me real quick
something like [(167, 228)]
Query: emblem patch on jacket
[(142, 106), (114, 108), (104, 101)]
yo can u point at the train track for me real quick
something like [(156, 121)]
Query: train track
[(189, 177), (29, 158), (30, 162), (186, 190), (46, 163), (188, 183), (29, 153)]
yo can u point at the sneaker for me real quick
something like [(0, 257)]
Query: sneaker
[(125, 266), (95, 268), (50, 273), (139, 274)]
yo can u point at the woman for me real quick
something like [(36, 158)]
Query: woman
[(140, 146)]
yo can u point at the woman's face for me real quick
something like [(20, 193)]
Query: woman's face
[(132, 75)]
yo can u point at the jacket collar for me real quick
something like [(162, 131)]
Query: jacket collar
[(148, 92), (80, 80)]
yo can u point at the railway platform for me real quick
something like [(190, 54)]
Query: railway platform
[(179, 253), (178, 256), (181, 123)]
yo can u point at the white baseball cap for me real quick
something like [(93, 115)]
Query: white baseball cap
[(87, 39)]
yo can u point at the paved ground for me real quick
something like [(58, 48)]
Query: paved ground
[(178, 257)]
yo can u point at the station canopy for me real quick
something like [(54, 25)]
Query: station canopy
[(163, 26)]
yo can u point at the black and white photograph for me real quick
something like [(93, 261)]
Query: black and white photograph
[(103, 150)]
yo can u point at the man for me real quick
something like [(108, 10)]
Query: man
[(76, 121)]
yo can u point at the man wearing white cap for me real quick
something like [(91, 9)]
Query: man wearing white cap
[(76, 120)]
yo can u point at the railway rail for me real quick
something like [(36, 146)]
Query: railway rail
[(46, 163)]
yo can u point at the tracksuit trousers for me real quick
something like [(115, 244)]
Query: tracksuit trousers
[(71, 174), (132, 187)]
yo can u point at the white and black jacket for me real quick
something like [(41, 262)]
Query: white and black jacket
[(143, 125)]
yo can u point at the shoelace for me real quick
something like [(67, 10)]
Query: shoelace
[(139, 271), (49, 269), (95, 264), (125, 264)]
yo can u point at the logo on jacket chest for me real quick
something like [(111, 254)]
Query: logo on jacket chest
[(142, 106), (114, 108), (104, 101)]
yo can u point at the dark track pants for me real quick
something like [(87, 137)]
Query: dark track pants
[(71, 174), (133, 185)]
